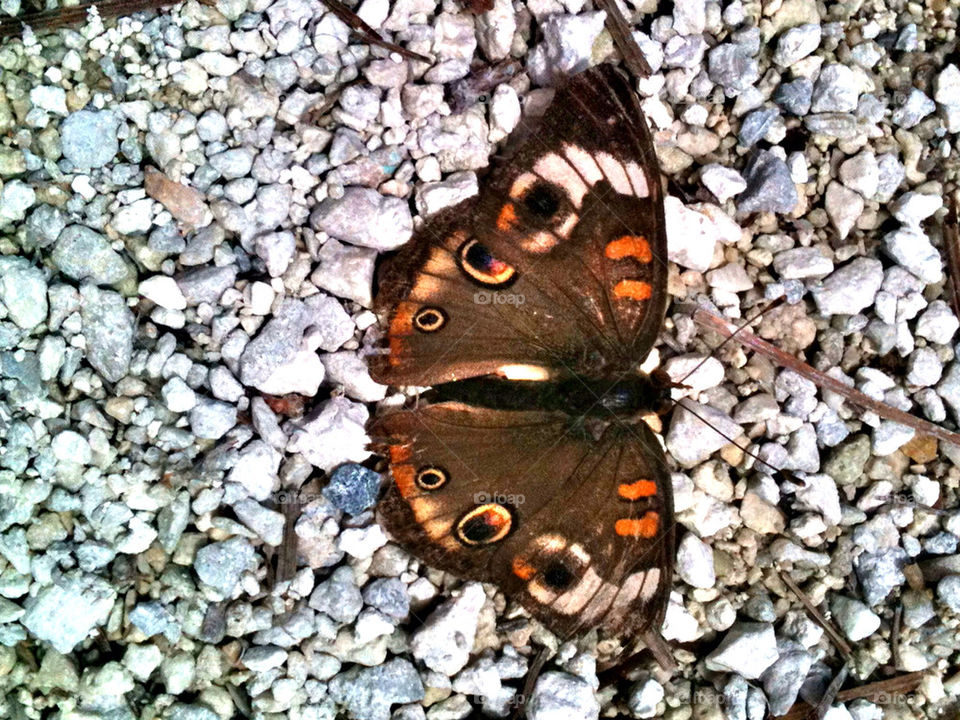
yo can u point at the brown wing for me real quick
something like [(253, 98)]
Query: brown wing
[(579, 530), (558, 265)]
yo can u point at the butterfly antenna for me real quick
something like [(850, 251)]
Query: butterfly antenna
[(724, 435), (775, 303)]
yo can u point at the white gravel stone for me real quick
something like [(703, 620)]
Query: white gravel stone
[(164, 291)]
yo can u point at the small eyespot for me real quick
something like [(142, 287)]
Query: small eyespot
[(485, 524), (542, 200), (431, 477), (477, 262), (429, 319)]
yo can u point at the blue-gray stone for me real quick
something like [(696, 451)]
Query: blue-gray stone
[(769, 185), (794, 97), (389, 596), (353, 488), (756, 124)]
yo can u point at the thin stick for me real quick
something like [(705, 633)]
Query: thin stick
[(951, 243), (61, 17), (830, 694), (745, 337), (619, 30), (842, 645), (895, 685), (369, 34)]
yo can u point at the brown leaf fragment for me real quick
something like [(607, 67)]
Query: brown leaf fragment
[(185, 203)]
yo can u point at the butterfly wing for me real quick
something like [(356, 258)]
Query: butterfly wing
[(578, 529), (557, 266)]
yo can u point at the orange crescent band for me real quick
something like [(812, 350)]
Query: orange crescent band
[(633, 290), (637, 490), (633, 246), (645, 527)]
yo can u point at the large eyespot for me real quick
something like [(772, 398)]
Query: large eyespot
[(477, 262), (485, 524), (429, 319), (557, 575), (432, 477), (542, 200)]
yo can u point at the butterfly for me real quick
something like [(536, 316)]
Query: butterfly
[(529, 309)]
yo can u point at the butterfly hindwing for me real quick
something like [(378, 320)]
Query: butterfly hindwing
[(557, 265), (578, 529)]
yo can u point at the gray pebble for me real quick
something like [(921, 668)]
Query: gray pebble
[(561, 695), (916, 107), (368, 693), (836, 90), (795, 96), (365, 217), (23, 291), (747, 649), (389, 596), (782, 680), (796, 43), (108, 326), (856, 620), (851, 288), (206, 284), (880, 572), (211, 419), (235, 163), (733, 67), (64, 613), (221, 564), (346, 271), (90, 138), (84, 254), (338, 596)]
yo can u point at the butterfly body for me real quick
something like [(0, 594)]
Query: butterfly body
[(529, 309), (577, 396)]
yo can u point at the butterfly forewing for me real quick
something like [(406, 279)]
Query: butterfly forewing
[(558, 264)]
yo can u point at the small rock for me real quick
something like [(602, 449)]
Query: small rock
[(770, 187), (916, 107), (747, 649), (796, 43), (84, 254), (561, 696), (108, 326), (212, 419), (856, 620), (368, 693), (353, 488), (446, 638), (851, 288), (63, 614), (837, 90), (23, 291), (221, 564), (364, 217), (695, 562), (89, 138), (844, 207), (723, 182), (911, 247), (733, 67)]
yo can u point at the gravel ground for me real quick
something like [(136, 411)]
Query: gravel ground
[(190, 217)]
